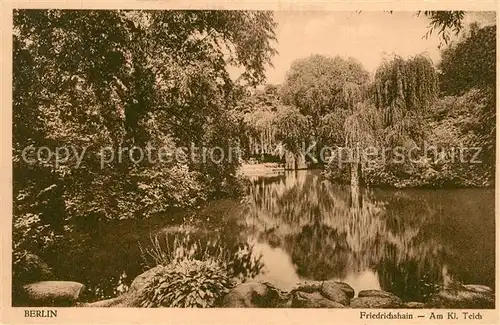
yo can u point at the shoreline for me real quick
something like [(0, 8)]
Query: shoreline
[(263, 169)]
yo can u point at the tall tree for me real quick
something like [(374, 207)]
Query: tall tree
[(324, 89), (99, 78), (403, 91), (392, 116), (316, 84)]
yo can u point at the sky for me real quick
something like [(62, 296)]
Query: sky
[(366, 36)]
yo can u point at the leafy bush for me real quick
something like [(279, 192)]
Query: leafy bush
[(197, 272), (423, 173), (122, 98), (188, 283)]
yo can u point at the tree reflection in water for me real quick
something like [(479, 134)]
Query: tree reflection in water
[(402, 236)]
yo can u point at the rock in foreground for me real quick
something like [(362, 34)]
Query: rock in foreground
[(478, 288), (463, 298), (310, 294), (252, 294), (333, 291), (376, 299), (53, 293), (348, 290), (414, 305), (313, 300)]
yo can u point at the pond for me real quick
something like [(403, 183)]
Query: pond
[(303, 227)]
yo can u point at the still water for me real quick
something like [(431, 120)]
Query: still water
[(302, 227)]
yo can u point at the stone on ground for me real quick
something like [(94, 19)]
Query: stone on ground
[(462, 298), (252, 294), (334, 292), (143, 279), (313, 300), (308, 286), (378, 293), (374, 302), (376, 299), (113, 302), (53, 293), (349, 291)]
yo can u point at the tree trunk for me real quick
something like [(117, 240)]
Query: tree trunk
[(300, 161), (289, 160), (356, 197)]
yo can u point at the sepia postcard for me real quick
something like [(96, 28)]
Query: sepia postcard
[(239, 162)]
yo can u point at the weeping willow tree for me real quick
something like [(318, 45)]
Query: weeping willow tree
[(351, 129), (331, 126), (388, 115), (403, 91)]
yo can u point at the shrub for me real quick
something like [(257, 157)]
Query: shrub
[(188, 283), (197, 272), (140, 192)]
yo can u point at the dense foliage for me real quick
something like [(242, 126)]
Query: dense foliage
[(188, 283), (196, 272), (256, 112), (447, 114), (468, 71), (410, 104), (309, 108), (97, 80), (324, 90)]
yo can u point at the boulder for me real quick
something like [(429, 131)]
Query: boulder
[(478, 288), (308, 286), (413, 305), (53, 293), (333, 291), (142, 279), (349, 291), (383, 298), (378, 293), (462, 298), (313, 300), (374, 302), (253, 294), (131, 298)]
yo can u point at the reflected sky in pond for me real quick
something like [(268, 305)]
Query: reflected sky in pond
[(409, 242)]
